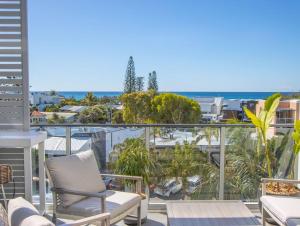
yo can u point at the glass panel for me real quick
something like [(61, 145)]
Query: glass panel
[(185, 164), (246, 163)]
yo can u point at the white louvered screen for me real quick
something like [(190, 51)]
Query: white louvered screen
[(14, 90)]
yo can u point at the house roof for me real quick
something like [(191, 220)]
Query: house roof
[(57, 145), (73, 108), (37, 114)]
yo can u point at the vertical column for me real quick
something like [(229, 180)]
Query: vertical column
[(222, 163), (42, 178), (28, 173), (147, 138), (25, 70), (68, 140)]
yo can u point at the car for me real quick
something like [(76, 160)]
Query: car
[(168, 187), (194, 183)]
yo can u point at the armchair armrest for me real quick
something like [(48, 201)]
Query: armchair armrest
[(274, 180), (103, 217), (137, 179)]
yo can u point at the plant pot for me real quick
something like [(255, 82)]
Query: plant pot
[(284, 189)]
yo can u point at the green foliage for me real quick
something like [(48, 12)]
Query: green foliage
[(174, 109), (296, 137), (90, 99), (93, 114), (134, 159), (139, 84), (130, 80), (70, 101), (152, 81), (262, 123), (56, 119), (137, 107), (183, 163), (117, 117), (52, 108)]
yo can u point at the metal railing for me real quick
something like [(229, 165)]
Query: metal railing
[(153, 141)]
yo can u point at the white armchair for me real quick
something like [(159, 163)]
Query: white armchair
[(79, 191)]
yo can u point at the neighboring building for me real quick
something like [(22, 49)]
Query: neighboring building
[(211, 107), (43, 99), (37, 117), (234, 109), (68, 117), (74, 109), (37, 98), (288, 112)]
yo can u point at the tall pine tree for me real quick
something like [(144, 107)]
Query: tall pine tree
[(139, 83), (152, 81), (130, 80)]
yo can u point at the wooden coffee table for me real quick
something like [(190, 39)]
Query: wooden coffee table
[(209, 213)]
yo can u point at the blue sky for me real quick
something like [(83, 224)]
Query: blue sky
[(211, 45)]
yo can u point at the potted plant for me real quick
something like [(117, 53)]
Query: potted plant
[(134, 160)]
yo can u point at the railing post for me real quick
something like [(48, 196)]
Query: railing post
[(222, 163), (68, 140), (42, 178), (147, 137)]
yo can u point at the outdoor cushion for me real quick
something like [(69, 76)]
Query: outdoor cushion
[(293, 222), (283, 208), (117, 202), (77, 172), (22, 213), (3, 216)]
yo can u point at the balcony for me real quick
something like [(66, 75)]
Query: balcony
[(223, 155)]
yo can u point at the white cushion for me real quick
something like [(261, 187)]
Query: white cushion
[(117, 202), (23, 213), (283, 208), (77, 172), (293, 222)]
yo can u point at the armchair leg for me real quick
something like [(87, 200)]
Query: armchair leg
[(54, 218), (264, 216), (139, 215)]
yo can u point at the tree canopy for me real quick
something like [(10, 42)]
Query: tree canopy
[(130, 80), (94, 114), (173, 109), (146, 107), (152, 81)]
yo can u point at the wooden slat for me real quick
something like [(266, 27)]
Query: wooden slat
[(10, 44), (11, 88), (10, 36), (11, 96), (10, 59), (10, 51), (9, 6), (10, 29), (10, 13), (10, 74), (11, 81), (14, 110), (10, 21), (10, 66), (12, 103)]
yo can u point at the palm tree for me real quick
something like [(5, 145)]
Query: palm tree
[(208, 134), (262, 123), (90, 99), (183, 164)]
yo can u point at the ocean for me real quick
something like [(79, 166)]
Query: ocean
[(226, 95)]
